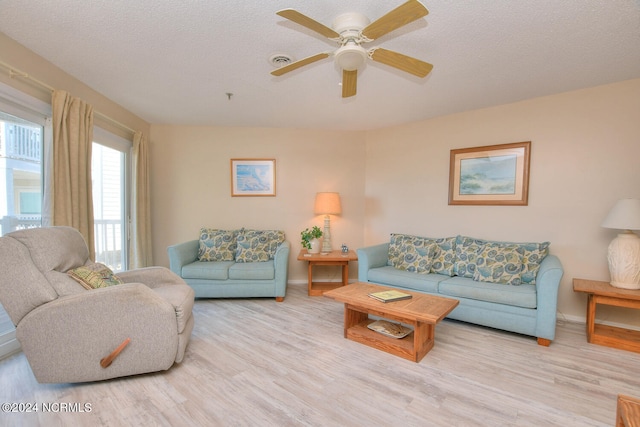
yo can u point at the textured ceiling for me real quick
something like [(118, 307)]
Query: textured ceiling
[(172, 62)]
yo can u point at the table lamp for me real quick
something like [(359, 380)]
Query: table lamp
[(327, 204), (624, 251)]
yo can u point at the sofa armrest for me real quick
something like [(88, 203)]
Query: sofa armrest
[(281, 266), (153, 277), (182, 254), (547, 286), (83, 328), (371, 257)]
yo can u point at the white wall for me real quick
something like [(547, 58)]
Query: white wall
[(584, 156), (191, 185)]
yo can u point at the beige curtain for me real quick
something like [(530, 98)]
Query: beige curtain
[(72, 203), (140, 242)]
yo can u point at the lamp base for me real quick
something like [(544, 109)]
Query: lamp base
[(624, 261), (326, 235)]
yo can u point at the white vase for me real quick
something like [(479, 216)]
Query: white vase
[(315, 246)]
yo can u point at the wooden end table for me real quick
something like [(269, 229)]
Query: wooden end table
[(331, 258), (422, 311), (605, 294)]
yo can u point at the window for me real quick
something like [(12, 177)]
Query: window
[(109, 171), (22, 121)]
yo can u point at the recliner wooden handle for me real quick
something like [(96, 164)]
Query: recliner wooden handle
[(106, 361)]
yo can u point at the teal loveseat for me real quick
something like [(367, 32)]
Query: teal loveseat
[(503, 285), (233, 263)]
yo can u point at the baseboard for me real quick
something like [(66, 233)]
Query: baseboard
[(9, 348), (583, 320)]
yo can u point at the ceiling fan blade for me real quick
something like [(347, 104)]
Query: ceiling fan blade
[(305, 21), (398, 17), (401, 62), (301, 63), (349, 83)]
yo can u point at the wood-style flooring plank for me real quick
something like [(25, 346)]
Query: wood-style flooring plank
[(255, 362)]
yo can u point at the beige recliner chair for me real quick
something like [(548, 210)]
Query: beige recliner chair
[(66, 330)]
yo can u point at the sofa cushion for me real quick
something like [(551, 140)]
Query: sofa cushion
[(94, 276), (411, 253), (217, 245), (498, 263), (252, 271), (519, 296), (212, 270), (258, 245), (389, 275)]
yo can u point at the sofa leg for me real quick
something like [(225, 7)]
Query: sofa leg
[(279, 299), (543, 341)]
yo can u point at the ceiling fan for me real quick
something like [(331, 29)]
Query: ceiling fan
[(350, 31)]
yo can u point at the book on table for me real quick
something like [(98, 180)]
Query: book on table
[(389, 296)]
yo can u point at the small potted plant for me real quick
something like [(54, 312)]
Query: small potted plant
[(310, 239)]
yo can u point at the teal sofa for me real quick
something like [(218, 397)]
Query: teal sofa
[(503, 285), (233, 263)]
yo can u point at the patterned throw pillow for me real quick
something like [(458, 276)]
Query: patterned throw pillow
[(499, 263), (466, 249), (444, 256), (94, 276), (532, 256), (217, 245), (258, 245), (411, 253)]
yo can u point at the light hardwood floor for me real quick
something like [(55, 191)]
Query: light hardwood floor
[(256, 362)]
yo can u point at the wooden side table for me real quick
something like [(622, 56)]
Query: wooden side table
[(605, 294), (332, 258)]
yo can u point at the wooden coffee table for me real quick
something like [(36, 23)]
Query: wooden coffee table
[(422, 312)]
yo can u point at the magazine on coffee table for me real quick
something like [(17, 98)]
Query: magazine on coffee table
[(390, 329), (389, 296)]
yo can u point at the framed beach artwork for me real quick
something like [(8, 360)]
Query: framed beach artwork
[(490, 175), (253, 177)]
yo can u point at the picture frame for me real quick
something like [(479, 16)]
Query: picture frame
[(490, 175), (253, 177)]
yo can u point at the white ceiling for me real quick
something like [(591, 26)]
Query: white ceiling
[(172, 62)]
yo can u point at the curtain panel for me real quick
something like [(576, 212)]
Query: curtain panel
[(140, 242), (72, 202)]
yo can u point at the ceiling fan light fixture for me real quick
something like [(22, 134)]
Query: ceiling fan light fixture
[(350, 57)]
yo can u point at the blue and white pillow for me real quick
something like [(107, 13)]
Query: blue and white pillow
[(499, 263)]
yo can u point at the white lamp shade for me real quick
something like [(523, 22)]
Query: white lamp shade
[(327, 204), (625, 215)]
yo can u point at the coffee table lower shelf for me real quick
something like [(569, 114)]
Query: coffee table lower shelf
[(412, 347), (402, 347)]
